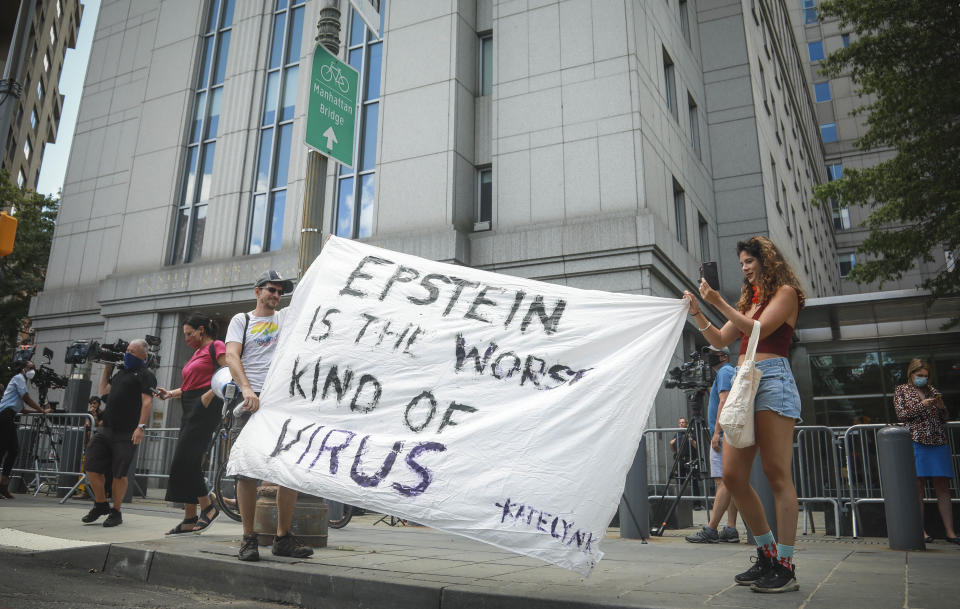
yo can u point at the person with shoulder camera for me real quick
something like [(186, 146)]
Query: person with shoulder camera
[(15, 398), (719, 360), (129, 399), (251, 342), (770, 294)]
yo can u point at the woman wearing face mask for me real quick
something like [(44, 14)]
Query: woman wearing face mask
[(201, 415), (15, 398), (920, 405)]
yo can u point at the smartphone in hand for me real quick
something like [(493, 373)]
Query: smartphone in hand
[(708, 270)]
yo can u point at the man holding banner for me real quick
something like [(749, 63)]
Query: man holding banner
[(251, 342), (471, 402)]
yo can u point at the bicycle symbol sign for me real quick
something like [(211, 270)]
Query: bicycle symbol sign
[(331, 115)]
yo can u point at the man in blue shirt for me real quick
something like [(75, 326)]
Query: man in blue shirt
[(719, 360), (15, 397)]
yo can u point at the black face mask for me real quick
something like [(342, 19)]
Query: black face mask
[(714, 359)]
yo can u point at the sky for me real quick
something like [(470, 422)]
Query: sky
[(74, 71)]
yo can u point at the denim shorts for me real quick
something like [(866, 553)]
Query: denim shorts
[(778, 390)]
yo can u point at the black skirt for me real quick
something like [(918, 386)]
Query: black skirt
[(196, 432)]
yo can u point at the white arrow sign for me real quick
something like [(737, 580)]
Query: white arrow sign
[(331, 138)]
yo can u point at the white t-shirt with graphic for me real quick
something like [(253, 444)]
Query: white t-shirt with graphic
[(261, 341)]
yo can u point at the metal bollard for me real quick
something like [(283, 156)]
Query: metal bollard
[(898, 484), (634, 505)]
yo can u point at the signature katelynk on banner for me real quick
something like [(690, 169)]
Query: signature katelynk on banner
[(498, 408)]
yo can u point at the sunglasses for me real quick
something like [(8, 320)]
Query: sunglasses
[(273, 290)]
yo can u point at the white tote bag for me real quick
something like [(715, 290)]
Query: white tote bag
[(737, 415)]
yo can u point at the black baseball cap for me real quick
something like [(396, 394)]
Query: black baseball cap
[(272, 276)]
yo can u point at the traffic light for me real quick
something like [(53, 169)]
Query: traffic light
[(8, 232)]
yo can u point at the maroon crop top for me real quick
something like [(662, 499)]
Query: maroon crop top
[(777, 343)]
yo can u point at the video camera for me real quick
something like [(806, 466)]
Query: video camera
[(110, 353), (693, 375), (45, 378)]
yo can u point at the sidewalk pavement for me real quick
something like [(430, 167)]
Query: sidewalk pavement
[(367, 565)]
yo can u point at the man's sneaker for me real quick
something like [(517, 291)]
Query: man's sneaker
[(98, 510), (704, 535), (780, 579), (761, 567), (113, 519), (288, 545), (729, 535), (249, 551)]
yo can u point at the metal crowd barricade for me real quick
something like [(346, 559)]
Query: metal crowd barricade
[(154, 455), (863, 472), (817, 471), (52, 449), (660, 458)]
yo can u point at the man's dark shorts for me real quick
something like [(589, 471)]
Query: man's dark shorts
[(110, 451), (240, 418)]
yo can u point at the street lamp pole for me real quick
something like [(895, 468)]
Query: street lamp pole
[(315, 183)]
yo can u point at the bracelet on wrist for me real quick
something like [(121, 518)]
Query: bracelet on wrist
[(706, 327)]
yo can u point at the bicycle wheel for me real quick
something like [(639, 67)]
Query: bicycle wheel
[(345, 515), (225, 489)]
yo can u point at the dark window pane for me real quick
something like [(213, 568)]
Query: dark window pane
[(846, 374), (486, 196), (283, 156), (180, 236), (263, 164), (196, 232), (227, 14), (205, 63), (276, 220), (221, 67), (355, 59), (367, 183), (357, 28), (369, 151), (190, 180), (486, 65), (815, 50), (208, 154), (270, 103), (198, 110), (289, 103), (280, 5), (276, 40), (213, 15), (296, 36), (821, 91), (373, 72), (213, 121), (846, 411), (345, 209), (258, 223)]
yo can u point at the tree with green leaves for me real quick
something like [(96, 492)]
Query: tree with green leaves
[(905, 60), (22, 272)]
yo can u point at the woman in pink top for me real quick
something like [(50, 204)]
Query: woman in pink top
[(201, 415)]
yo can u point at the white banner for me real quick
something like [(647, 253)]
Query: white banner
[(498, 408)]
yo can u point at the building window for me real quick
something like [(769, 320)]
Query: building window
[(828, 132), (59, 9), (815, 49), (845, 39), (810, 11), (704, 239), (53, 35), (486, 64), (364, 52), (694, 125), (835, 171), (27, 149), (46, 62), (684, 20), (39, 90), (776, 191), (202, 129), (484, 198), (763, 89), (276, 129), (841, 216), (821, 91), (21, 179), (846, 262), (33, 119), (680, 214), (670, 84)]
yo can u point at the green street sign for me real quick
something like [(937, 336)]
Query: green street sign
[(331, 114)]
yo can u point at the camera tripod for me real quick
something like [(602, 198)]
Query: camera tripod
[(41, 428), (687, 463)]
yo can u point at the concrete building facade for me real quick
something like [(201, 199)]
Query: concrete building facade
[(34, 38), (607, 145)]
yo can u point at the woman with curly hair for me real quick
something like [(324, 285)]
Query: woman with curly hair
[(771, 295)]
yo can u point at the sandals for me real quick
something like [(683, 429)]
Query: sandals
[(205, 518), (184, 527)]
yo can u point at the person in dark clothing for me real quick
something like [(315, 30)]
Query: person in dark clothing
[(129, 397), (15, 398), (685, 445)]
